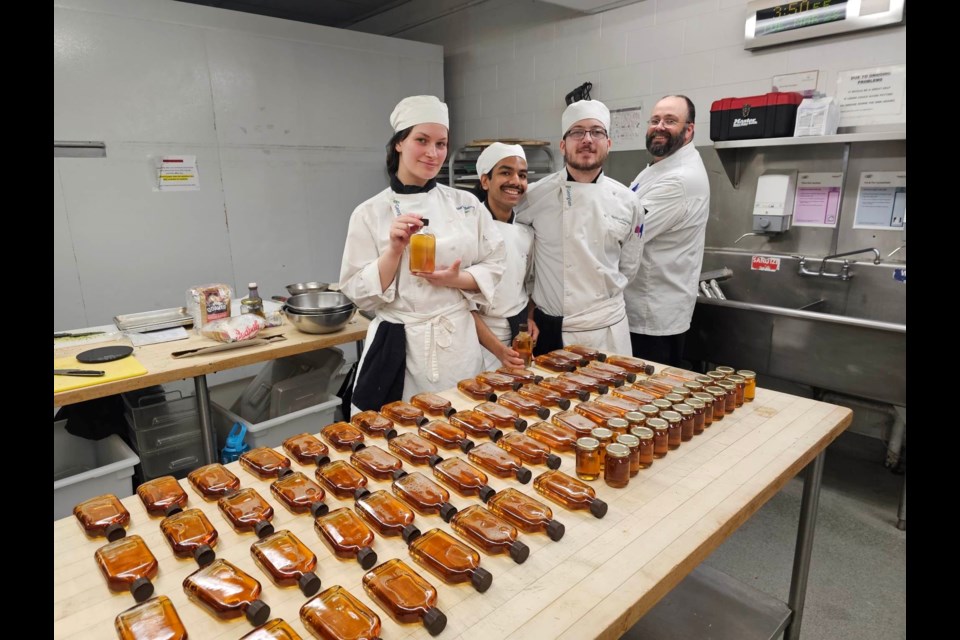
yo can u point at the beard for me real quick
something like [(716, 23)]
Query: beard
[(570, 157), (661, 150)]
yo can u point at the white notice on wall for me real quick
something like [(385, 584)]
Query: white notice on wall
[(818, 199), (881, 200), (627, 129), (872, 96), (178, 173)]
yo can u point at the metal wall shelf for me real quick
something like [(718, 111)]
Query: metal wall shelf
[(461, 169)]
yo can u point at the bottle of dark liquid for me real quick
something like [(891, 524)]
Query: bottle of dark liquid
[(586, 383), (405, 595), (128, 564), (275, 629), (569, 492), (529, 450), (336, 613), (246, 510), (155, 618), (499, 381), (464, 478), (523, 344), (374, 424), (433, 405), (376, 462), (607, 378), (446, 435), (489, 532), (162, 496), (404, 413), (555, 436), (423, 247), (565, 388), (544, 396), (526, 513), (621, 373), (621, 406), (343, 436), (499, 462), (191, 535), (450, 560), (414, 449), (387, 515), (636, 365), (347, 536), (586, 352), (473, 388), (503, 417), (580, 424), (598, 413), (287, 561), (476, 424), (553, 363), (213, 481), (253, 303), (525, 376), (300, 494), (103, 516), (632, 393), (423, 494), (523, 405), (305, 448), (341, 478), (265, 463), (574, 358), (227, 592)]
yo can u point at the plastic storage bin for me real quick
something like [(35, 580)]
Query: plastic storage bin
[(84, 469), (165, 429)]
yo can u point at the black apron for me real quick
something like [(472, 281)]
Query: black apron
[(551, 332), (380, 380)]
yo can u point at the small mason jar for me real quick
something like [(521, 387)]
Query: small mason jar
[(661, 436), (633, 443), (741, 383), (687, 419), (588, 458), (674, 428), (699, 415), (730, 400), (618, 426), (604, 436), (707, 400), (719, 402), (645, 437), (750, 390), (616, 473)]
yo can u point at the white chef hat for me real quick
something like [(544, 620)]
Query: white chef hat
[(494, 154), (418, 110), (583, 109)]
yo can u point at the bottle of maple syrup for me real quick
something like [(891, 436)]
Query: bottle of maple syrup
[(544, 396), (246, 510), (569, 492), (653, 387), (155, 618), (446, 435), (300, 494), (404, 413), (636, 365), (632, 393), (464, 478), (499, 462), (342, 478), (570, 356), (386, 514), (213, 481), (499, 381), (609, 379), (528, 449), (305, 448), (405, 595), (265, 463), (476, 424), (489, 532), (287, 561), (347, 536), (502, 416), (473, 388), (450, 560), (523, 344), (586, 352), (598, 413), (555, 436), (423, 248), (565, 388), (336, 613), (573, 420), (191, 535), (103, 516), (275, 629), (521, 375), (551, 362), (677, 372), (616, 370), (227, 592), (376, 462), (128, 564), (343, 436), (433, 405), (414, 449), (162, 496), (423, 494), (523, 405), (585, 383), (526, 513), (621, 406), (374, 424)]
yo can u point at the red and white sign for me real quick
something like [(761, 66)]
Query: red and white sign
[(764, 263)]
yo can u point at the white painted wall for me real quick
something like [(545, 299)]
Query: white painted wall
[(288, 122)]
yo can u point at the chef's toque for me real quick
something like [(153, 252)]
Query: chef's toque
[(494, 154), (419, 110), (582, 110)]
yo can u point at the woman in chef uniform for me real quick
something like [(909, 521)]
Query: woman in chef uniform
[(423, 337)]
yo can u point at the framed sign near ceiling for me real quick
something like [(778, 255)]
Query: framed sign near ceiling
[(769, 22)]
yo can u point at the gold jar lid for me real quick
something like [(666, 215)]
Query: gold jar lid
[(588, 444), (657, 423), (716, 375), (681, 390), (662, 403), (674, 398), (717, 392), (650, 411), (726, 384), (725, 370), (704, 397), (735, 379), (671, 416), (697, 403), (634, 417), (643, 433), (693, 385), (615, 450), (629, 440), (617, 423), (683, 409), (601, 433), (746, 373), (704, 380)]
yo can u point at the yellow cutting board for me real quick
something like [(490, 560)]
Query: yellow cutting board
[(128, 367)]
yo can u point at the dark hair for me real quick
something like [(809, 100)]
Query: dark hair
[(393, 156), (478, 189), (691, 110)]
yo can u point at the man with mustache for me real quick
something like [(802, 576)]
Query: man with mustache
[(675, 194), (587, 243)]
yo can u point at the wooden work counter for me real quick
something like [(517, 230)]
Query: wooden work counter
[(596, 582)]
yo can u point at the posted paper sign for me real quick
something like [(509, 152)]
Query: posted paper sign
[(178, 173), (628, 130), (881, 200), (818, 200), (872, 96)]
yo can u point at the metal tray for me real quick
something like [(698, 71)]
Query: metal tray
[(154, 320)]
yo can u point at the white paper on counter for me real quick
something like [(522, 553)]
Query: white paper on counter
[(156, 337)]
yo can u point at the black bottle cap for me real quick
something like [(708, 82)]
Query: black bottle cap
[(322, 460), (309, 584), (283, 473), (172, 510), (425, 221), (523, 475), (543, 413), (367, 557), (466, 445), (141, 589), (598, 508), (449, 411), (486, 492), (519, 552), (602, 357), (553, 461), (582, 362), (491, 397), (602, 389), (258, 612), (495, 434), (318, 509), (114, 532), (648, 369), (356, 446), (447, 511), (481, 579), (422, 420), (434, 460), (516, 384), (390, 433), (618, 383), (520, 424), (569, 367), (204, 555), (435, 621), (537, 379), (399, 473), (631, 377), (583, 395), (361, 493), (409, 533), (555, 530), (563, 403), (263, 529)]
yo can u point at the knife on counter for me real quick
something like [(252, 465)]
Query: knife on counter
[(88, 373), (83, 334)]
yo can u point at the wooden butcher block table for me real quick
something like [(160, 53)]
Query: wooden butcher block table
[(596, 582)]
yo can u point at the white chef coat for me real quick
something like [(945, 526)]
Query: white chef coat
[(675, 193), (442, 345), (587, 246)]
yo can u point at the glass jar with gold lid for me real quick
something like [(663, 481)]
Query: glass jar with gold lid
[(750, 390), (674, 428), (644, 436), (708, 406), (687, 419), (730, 399), (719, 401), (661, 436), (741, 383), (699, 414)]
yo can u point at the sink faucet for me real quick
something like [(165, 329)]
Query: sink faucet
[(844, 273), (876, 255)]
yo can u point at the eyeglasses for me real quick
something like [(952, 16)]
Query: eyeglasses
[(579, 134), (667, 122)]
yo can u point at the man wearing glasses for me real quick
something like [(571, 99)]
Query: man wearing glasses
[(586, 243), (675, 194)]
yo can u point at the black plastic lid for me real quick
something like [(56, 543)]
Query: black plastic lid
[(258, 612), (631, 376), (555, 530), (309, 584), (583, 395), (390, 433), (447, 511), (516, 384), (367, 557), (486, 492), (172, 510), (319, 508), (602, 389), (598, 508), (466, 445), (537, 379), (523, 475), (263, 529), (361, 493), (491, 397), (435, 621), (618, 383), (602, 357), (409, 533), (114, 532), (321, 460), (495, 434), (356, 446), (425, 221), (543, 413), (283, 473), (399, 473), (519, 552), (553, 461), (434, 460), (204, 555), (563, 403), (141, 589), (422, 420), (481, 579), (520, 424), (449, 411), (648, 369)]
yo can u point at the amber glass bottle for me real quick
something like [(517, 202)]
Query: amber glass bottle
[(376, 462), (450, 560), (586, 383), (677, 372), (581, 425), (653, 387), (473, 388), (555, 436), (341, 478), (499, 462), (374, 424), (287, 561), (636, 365), (433, 405), (213, 481), (521, 375), (566, 388), (347, 536), (336, 614), (387, 515), (544, 396), (227, 592), (464, 478), (423, 494), (621, 373), (595, 412), (621, 406), (343, 436), (502, 416), (586, 352), (265, 463), (446, 435), (404, 413), (523, 405), (299, 494), (128, 564), (489, 532), (414, 449), (569, 492), (609, 379), (162, 496), (570, 356), (155, 618), (554, 363), (103, 516), (246, 510), (523, 344), (405, 595), (305, 448), (499, 381), (526, 513), (275, 629), (191, 535), (423, 249), (632, 393), (529, 450), (476, 424)]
